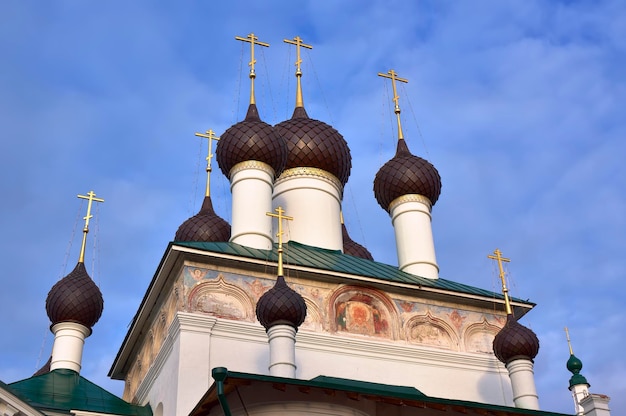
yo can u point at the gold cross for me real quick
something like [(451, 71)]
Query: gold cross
[(498, 257), (253, 40), (391, 74), (280, 217), (91, 197), (210, 134), (298, 42)]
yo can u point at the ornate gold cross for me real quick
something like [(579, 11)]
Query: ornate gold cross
[(91, 197), (298, 42), (279, 234), (498, 257), (253, 40), (210, 135), (391, 74)]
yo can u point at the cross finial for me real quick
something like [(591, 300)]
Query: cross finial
[(498, 257), (569, 343), (298, 42), (91, 197), (210, 135), (279, 234), (253, 40), (391, 74)]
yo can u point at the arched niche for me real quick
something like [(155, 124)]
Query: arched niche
[(221, 299), (479, 337), (363, 311), (432, 332), (313, 319)]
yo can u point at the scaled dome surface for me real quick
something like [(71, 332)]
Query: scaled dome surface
[(75, 298), (251, 139), (515, 341), (313, 143), (353, 248), (205, 226), (406, 174), (281, 305)]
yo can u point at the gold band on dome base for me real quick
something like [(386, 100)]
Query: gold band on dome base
[(251, 164), (309, 171), (410, 198)]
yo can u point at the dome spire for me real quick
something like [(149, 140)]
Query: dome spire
[(391, 74), (298, 42), (253, 40), (497, 255), (91, 197), (210, 135), (578, 384), (516, 346), (279, 234), (74, 305)]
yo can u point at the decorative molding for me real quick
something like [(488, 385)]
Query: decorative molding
[(251, 164), (410, 198), (310, 172)]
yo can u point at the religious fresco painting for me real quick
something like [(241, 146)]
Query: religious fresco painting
[(361, 313)]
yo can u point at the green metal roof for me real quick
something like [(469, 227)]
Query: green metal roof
[(401, 395), (335, 261), (65, 390)]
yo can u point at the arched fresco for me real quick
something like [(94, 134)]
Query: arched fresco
[(363, 311), (221, 299), (431, 331), (479, 337)]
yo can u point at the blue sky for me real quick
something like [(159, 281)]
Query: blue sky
[(519, 105)]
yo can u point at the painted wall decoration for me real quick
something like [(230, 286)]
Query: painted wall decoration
[(431, 331), (362, 311), (479, 337), (221, 299)]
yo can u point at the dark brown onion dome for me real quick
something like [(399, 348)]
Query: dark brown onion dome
[(205, 226), (75, 298), (251, 139), (353, 248), (281, 305), (406, 174), (515, 341), (313, 143)]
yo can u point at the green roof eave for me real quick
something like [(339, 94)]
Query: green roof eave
[(400, 395), (65, 390), (298, 254)]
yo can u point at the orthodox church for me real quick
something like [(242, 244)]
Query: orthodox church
[(282, 313)]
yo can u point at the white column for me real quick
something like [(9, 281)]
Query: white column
[(411, 220), (67, 350), (579, 392), (523, 383), (282, 341), (313, 198), (596, 405), (251, 184)]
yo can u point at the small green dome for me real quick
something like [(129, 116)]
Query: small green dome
[(574, 365)]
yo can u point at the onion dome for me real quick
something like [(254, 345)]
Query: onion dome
[(406, 174), (515, 341), (353, 248), (574, 365), (313, 143), (281, 305), (205, 226), (75, 298), (251, 139)]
